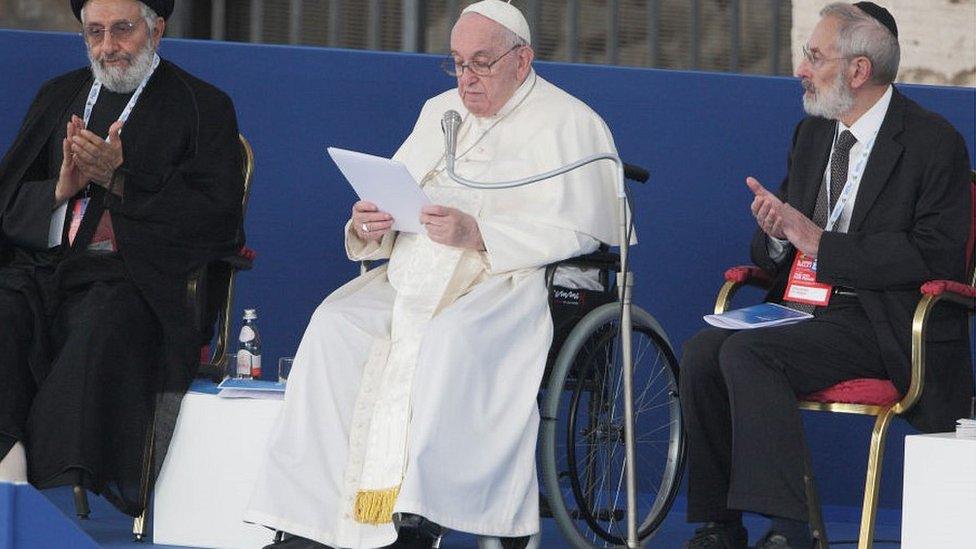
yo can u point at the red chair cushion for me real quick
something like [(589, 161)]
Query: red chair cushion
[(877, 392)]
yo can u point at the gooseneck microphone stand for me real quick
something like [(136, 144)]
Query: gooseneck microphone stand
[(450, 123)]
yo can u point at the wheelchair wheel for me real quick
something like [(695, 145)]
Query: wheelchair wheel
[(582, 446)]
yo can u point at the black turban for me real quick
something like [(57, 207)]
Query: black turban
[(163, 8)]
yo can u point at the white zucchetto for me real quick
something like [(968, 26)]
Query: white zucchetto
[(504, 14)]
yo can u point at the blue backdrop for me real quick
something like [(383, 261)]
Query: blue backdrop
[(700, 134)]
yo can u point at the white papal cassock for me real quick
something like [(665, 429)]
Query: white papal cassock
[(461, 336)]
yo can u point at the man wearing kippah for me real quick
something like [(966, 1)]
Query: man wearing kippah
[(412, 402), (125, 178), (875, 202)]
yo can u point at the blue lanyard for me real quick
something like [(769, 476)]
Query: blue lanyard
[(96, 89), (855, 176)]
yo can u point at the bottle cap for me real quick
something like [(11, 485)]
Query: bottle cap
[(250, 314)]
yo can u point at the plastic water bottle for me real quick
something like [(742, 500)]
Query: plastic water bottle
[(249, 351)]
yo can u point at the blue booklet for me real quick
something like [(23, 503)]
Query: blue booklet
[(762, 315)]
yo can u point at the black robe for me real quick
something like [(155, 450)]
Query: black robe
[(180, 210)]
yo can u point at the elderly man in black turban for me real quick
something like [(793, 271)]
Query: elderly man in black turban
[(123, 180)]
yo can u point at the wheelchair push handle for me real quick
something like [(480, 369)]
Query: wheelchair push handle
[(636, 173)]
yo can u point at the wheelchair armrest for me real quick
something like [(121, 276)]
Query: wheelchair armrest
[(366, 265), (600, 259)]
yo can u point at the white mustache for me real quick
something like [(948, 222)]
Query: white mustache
[(111, 58), (125, 76)]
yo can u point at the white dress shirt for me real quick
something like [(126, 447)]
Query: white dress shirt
[(865, 130)]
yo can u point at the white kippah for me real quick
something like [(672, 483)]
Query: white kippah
[(505, 14)]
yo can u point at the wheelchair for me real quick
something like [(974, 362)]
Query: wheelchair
[(581, 447), (581, 401)]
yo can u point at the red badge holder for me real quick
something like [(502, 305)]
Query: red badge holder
[(802, 285)]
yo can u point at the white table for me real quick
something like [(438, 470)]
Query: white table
[(217, 448), (939, 500)]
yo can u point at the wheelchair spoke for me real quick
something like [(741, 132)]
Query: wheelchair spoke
[(650, 407), (590, 485)]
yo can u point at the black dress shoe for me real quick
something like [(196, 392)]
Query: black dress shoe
[(520, 542), (716, 535), (773, 540), (289, 541), (415, 532), (408, 538)]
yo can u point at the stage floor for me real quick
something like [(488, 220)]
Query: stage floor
[(111, 529)]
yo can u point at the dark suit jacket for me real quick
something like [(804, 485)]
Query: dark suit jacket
[(910, 223)]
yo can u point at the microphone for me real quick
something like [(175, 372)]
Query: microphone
[(450, 124)]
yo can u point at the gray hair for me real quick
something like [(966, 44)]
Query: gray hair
[(860, 34), (146, 13), (510, 39)]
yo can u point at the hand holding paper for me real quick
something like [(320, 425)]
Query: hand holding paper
[(369, 222), (451, 227), (386, 185)]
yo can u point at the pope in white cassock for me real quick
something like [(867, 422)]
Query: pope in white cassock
[(413, 392)]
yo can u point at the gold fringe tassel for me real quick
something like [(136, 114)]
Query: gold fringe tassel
[(376, 506)]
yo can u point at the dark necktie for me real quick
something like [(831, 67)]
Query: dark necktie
[(839, 160)]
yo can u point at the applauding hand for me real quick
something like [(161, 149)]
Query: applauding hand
[(780, 220), (96, 158)]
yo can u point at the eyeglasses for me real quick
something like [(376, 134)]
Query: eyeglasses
[(120, 30), (816, 60), (479, 65)]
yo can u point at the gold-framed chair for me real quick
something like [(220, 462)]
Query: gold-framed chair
[(208, 285), (211, 284), (872, 397), (213, 362)]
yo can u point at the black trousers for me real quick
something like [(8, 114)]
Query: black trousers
[(17, 387), (83, 411), (739, 401)]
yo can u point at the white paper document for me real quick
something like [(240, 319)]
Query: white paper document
[(251, 388), (386, 183), (762, 315)]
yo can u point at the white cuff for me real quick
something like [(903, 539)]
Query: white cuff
[(56, 231), (776, 248)]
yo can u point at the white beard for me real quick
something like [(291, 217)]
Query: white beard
[(124, 79), (832, 103)]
